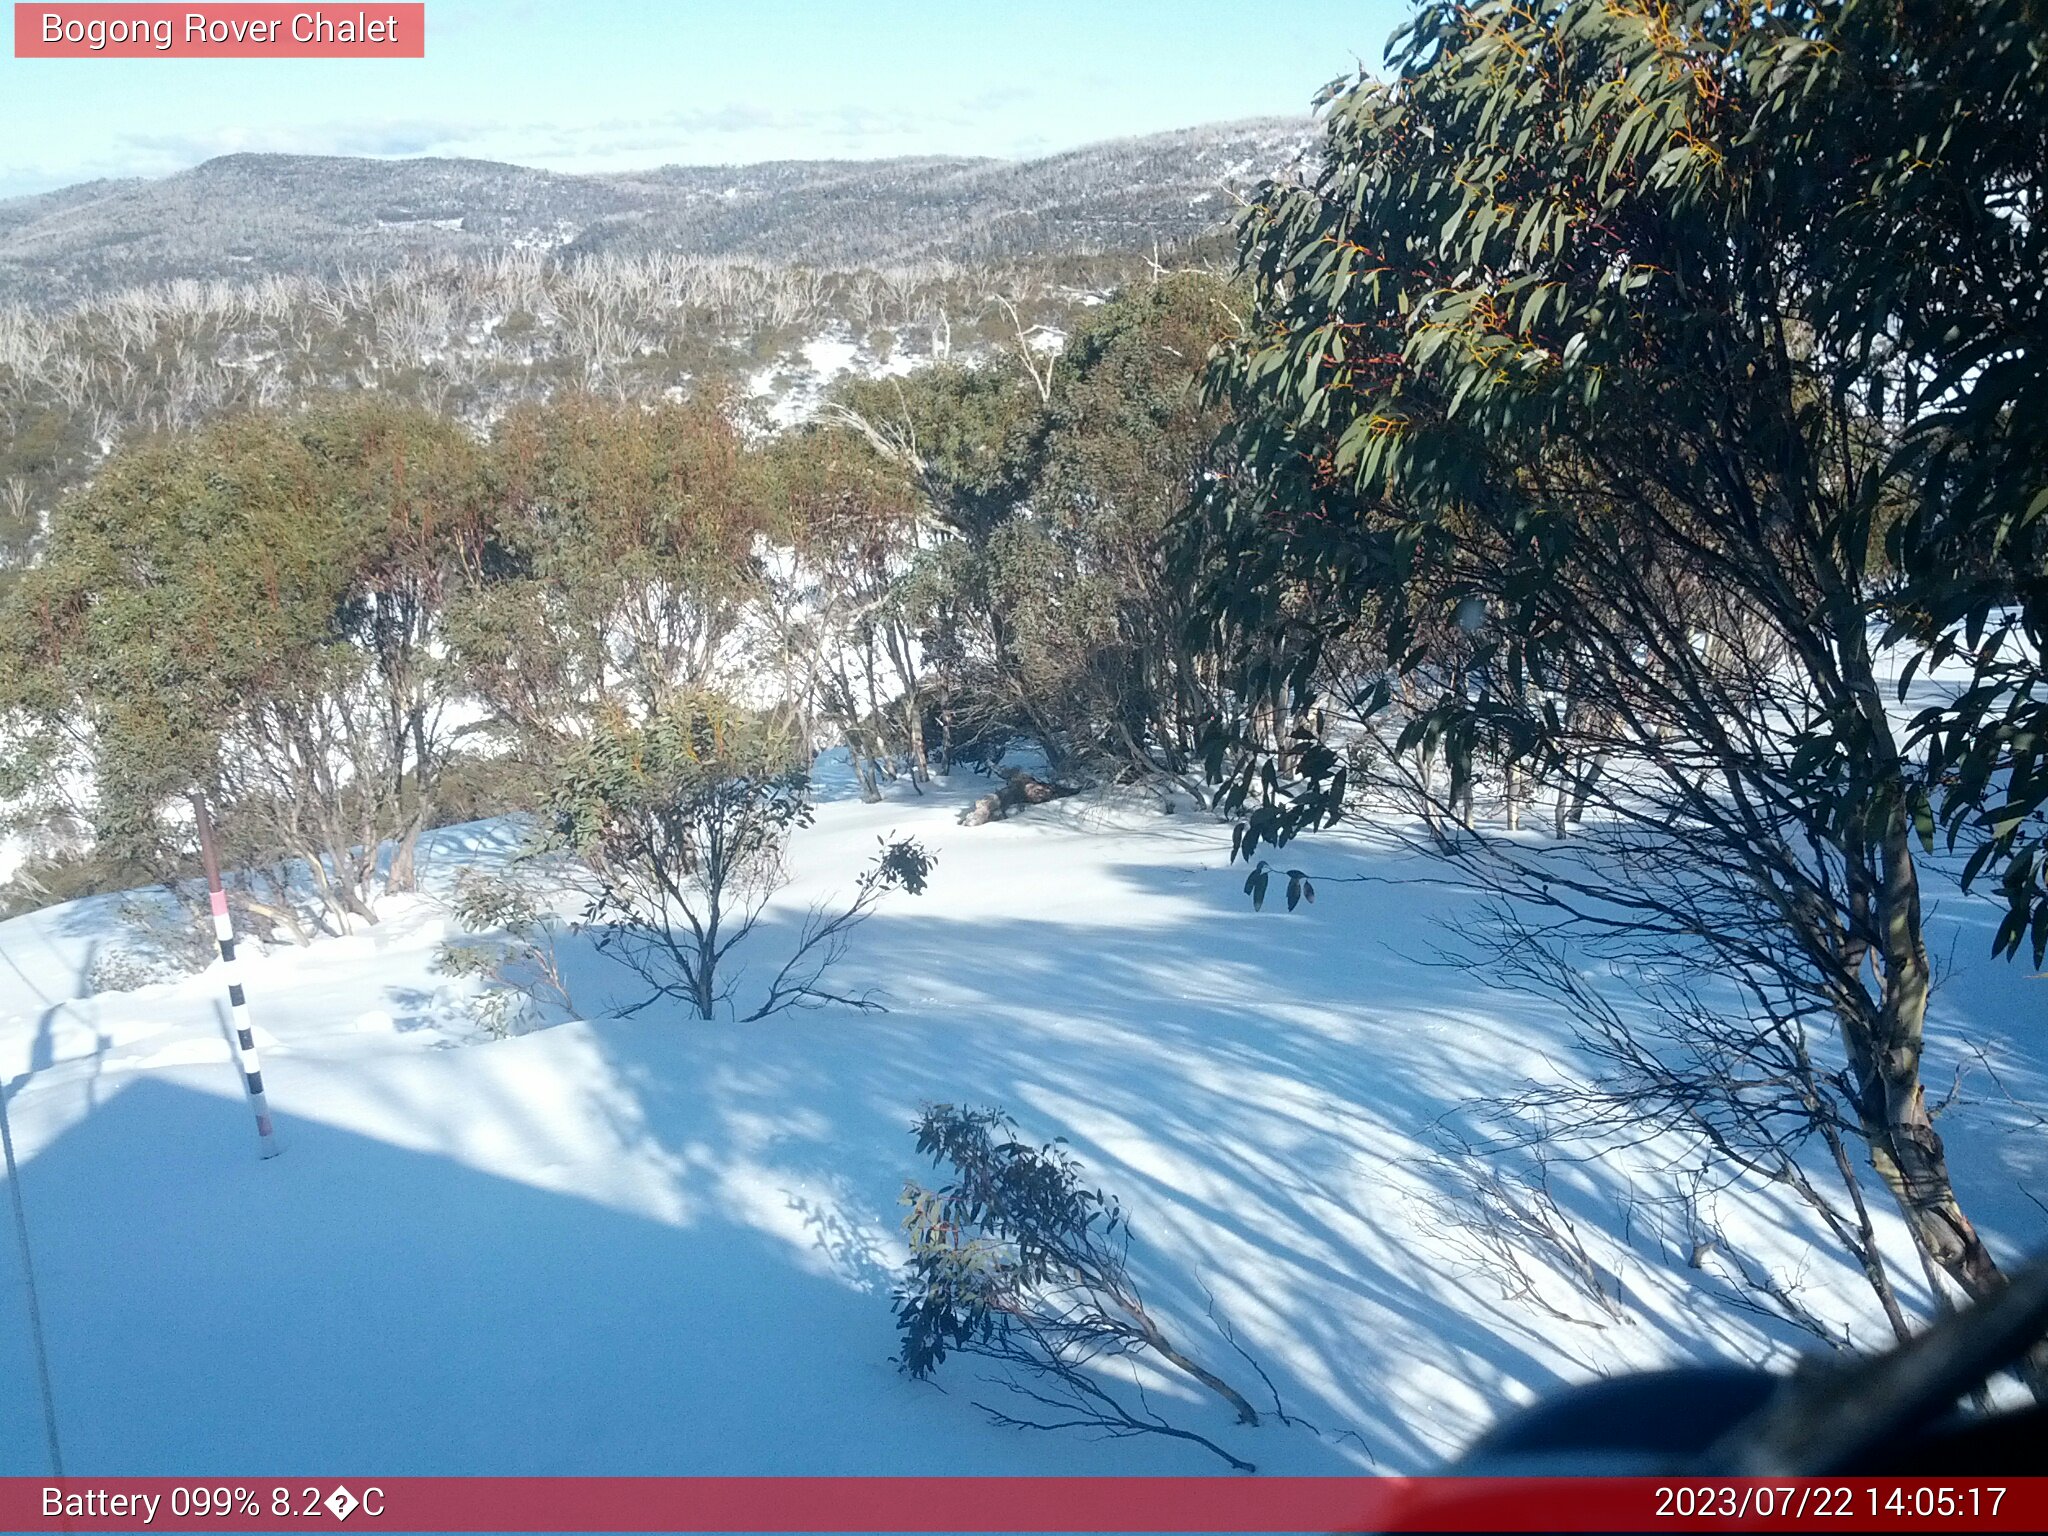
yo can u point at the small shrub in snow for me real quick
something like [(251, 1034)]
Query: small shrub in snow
[(681, 824), (124, 970), (511, 949), (164, 944), (1018, 1262), (181, 943)]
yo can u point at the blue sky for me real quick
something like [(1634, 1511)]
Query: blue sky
[(623, 84)]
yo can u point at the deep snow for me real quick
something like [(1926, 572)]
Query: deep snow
[(659, 1246)]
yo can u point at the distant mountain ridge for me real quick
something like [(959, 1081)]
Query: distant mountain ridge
[(250, 214)]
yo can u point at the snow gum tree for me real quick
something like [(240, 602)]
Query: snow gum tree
[(681, 822), (1927, 132), (961, 442), (252, 612), (863, 589), (1549, 338), (1100, 624), (619, 568), (1004, 528)]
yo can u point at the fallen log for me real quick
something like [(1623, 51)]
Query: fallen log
[(1019, 789)]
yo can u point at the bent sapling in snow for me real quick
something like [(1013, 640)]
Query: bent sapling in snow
[(1017, 1262)]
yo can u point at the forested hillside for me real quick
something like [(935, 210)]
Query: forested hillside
[(468, 338), (256, 281), (260, 215)]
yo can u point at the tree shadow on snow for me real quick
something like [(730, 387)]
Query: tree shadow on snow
[(354, 1303), (1265, 1141)]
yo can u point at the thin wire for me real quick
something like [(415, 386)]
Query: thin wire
[(35, 1306)]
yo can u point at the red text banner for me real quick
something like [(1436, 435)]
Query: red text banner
[(242, 31), (1261, 1504)]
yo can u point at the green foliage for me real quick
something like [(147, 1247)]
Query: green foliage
[(164, 942), (1933, 270), (1016, 1219), (50, 876), (972, 435), (1539, 320), (1300, 888), (682, 821), (1027, 569), (244, 611), (902, 865), (620, 559), (1019, 1262), (1570, 423), (1127, 431), (194, 575), (511, 950), (475, 787), (43, 450), (1779, 268), (682, 824), (1092, 619), (863, 598), (702, 787)]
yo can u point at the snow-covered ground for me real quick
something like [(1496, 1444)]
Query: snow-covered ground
[(649, 1245), (794, 385)]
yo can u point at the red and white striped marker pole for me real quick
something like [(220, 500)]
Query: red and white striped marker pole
[(238, 1004)]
